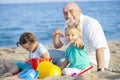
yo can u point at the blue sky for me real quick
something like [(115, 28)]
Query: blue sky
[(31, 1)]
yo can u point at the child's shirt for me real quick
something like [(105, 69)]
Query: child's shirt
[(39, 51), (78, 58)]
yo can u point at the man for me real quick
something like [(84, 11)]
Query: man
[(92, 35)]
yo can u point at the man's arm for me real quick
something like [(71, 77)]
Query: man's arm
[(100, 58), (56, 41)]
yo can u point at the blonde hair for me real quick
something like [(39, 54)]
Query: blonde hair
[(74, 25), (26, 37)]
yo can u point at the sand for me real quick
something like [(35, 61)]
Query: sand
[(113, 73)]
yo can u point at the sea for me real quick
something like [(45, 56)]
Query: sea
[(43, 18)]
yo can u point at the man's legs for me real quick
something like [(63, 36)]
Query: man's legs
[(57, 56)]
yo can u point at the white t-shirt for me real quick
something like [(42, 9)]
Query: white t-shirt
[(39, 51), (93, 37)]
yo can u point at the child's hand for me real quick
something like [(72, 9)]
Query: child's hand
[(27, 60)]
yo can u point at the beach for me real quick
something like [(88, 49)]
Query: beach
[(112, 73)]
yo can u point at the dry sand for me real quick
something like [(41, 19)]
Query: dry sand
[(113, 73)]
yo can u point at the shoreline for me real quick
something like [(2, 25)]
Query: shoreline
[(112, 74), (5, 47)]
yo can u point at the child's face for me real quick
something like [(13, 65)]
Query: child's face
[(29, 46), (71, 35)]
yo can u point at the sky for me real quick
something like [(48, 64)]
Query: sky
[(31, 1)]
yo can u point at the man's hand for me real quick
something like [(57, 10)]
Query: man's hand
[(78, 43), (58, 31)]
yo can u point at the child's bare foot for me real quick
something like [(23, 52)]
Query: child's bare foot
[(6, 74), (7, 65)]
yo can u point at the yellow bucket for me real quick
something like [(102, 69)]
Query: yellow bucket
[(46, 68)]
